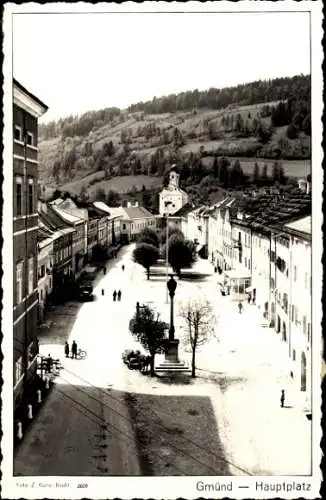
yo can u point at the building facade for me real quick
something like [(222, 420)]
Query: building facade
[(26, 110), (300, 303), (92, 232), (78, 239), (172, 198), (261, 270), (134, 220), (45, 261)]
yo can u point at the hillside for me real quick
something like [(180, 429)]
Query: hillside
[(84, 154)]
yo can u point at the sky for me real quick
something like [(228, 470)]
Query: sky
[(80, 62)]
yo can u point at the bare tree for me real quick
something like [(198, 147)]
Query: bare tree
[(199, 319)]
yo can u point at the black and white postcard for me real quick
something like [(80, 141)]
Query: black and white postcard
[(162, 244)]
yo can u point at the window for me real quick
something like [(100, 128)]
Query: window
[(304, 325), (19, 200), (19, 282), (30, 275), (30, 195), (18, 133), (285, 302), (18, 369), (295, 272), (248, 263), (308, 332), (293, 355), (30, 139), (123, 226), (292, 313)]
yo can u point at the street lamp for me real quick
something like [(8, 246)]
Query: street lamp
[(171, 351), (166, 204), (171, 286)]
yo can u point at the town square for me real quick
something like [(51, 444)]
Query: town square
[(162, 308)]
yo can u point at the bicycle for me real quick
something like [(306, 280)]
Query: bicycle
[(81, 354)]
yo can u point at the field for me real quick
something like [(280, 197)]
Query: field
[(121, 184)]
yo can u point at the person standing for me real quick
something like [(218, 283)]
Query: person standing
[(123, 267), (114, 295), (67, 349), (74, 350), (240, 307), (49, 363), (119, 295), (282, 398)]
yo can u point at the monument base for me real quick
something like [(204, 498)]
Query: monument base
[(171, 351)]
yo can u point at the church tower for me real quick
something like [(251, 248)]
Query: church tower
[(173, 180)]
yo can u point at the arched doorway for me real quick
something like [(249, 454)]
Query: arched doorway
[(278, 326), (303, 372), (284, 332)]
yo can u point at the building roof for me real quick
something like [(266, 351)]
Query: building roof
[(136, 213), (44, 234), (29, 94), (302, 225), (53, 221), (267, 211), (56, 202), (185, 210), (95, 212), (102, 206), (67, 217), (47, 230), (117, 211)]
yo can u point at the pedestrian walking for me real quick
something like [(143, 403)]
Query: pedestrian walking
[(74, 350), (104, 270), (123, 267), (102, 291), (67, 349), (240, 307), (249, 299), (114, 295), (282, 398), (119, 295)]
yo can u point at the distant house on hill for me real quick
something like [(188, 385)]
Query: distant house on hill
[(172, 198)]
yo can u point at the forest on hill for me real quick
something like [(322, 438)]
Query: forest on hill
[(266, 121)]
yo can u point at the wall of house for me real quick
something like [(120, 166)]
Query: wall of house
[(300, 312), (25, 227), (137, 225), (45, 276), (92, 234), (261, 271)]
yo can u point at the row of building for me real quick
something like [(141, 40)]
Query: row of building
[(260, 246), (52, 242)]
